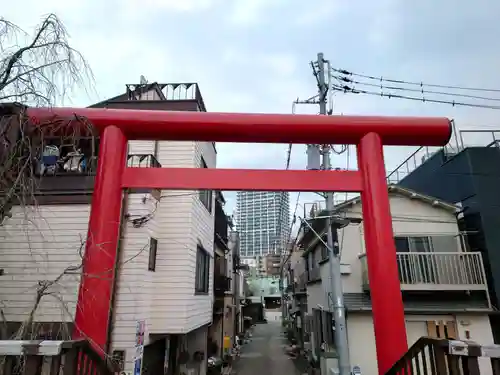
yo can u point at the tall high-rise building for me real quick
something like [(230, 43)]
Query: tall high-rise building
[(263, 221)]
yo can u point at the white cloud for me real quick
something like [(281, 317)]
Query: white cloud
[(246, 13)]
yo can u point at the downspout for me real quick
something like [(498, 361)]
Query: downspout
[(223, 315)]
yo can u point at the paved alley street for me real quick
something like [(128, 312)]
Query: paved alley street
[(265, 353)]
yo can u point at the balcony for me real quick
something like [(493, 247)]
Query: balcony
[(222, 284), (440, 271), (74, 171)]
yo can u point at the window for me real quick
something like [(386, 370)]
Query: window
[(202, 270), (153, 246), (424, 244), (328, 328), (317, 330), (206, 195)]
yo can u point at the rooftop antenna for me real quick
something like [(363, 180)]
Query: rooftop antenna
[(143, 80)]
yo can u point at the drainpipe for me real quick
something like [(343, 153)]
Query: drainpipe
[(223, 314)]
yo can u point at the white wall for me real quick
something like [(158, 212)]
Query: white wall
[(182, 221), (199, 309), (135, 286), (39, 243), (362, 339)]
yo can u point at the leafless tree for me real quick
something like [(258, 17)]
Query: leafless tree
[(44, 69), (36, 69)]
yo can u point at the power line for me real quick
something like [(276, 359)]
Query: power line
[(421, 90), (346, 72), (347, 84), (347, 89), (282, 196)]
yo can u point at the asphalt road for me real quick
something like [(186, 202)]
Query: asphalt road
[(265, 353)]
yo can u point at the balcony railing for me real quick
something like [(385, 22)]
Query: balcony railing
[(446, 271), (75, 164), (459, 141), (222, 284), (432, 356)]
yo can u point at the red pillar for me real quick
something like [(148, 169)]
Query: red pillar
[(385, 290), (99, 262)]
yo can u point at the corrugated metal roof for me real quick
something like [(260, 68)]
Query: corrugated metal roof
[(362, 302)]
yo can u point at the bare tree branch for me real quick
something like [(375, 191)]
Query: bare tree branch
[(36, 69), (43, 70)]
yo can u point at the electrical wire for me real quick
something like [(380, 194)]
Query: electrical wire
[(347, 89), (282, 196), (347, 84), (290, 252), (421, 90), (138, 221), (348, 73)]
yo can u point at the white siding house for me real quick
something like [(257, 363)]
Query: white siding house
[(434, 260), (38, 243)]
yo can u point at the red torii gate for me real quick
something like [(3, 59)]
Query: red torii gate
[(116, 127)]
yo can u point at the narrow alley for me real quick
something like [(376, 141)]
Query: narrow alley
[(265, 353)]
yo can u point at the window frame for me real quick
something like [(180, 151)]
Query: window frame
[(153, 251), (202, 273), (206, 196)]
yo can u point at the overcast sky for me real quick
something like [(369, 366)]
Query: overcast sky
[(253, 55)]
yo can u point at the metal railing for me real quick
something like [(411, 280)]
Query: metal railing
[(432, 356), (313, 209), (437, 271), (459, 141), (411, 163), (35, 357), (83, 165)]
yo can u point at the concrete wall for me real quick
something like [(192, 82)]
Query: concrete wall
[(362, 339)]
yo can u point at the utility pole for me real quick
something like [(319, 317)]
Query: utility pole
[(336, 292)]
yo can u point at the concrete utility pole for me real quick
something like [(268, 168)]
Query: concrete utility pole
[(336, 292)]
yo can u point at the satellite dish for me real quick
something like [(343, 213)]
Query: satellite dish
[(143, 80)]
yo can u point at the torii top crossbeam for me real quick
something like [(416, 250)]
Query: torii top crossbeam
[(259, 128)]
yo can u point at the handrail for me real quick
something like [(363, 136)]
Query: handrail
[(439, 356), (404, 162), (456, 144)]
